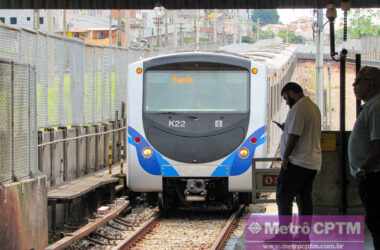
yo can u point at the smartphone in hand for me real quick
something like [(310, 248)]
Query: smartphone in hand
[(281, 126)]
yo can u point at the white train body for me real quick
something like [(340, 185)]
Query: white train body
[(171, 138)]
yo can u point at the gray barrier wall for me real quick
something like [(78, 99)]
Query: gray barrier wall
[(18, 131)]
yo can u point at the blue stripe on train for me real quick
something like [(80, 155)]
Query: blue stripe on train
[(233, 165)]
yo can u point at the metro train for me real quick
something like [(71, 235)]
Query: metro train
[(196, 120)]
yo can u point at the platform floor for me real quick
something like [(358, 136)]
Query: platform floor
[(272, 209), (83, 185)]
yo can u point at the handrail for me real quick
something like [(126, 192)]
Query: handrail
[(266, 159), (80, 137)]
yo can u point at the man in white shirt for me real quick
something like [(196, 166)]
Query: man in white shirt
[(300, 152), (364, 147)]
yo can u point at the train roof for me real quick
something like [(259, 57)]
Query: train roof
[(271, 52), (212, 53)]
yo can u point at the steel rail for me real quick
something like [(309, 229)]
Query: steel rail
[(227, 229), (139, 234), (88, 228)]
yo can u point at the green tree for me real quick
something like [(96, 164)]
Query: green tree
[(266, 34), (361, 24), (265, 16), (247, 39), (290, 36)]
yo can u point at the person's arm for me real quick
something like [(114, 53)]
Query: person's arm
[(290, 145), (373, 157), (295, 128)]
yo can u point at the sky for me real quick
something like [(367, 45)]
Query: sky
[(289, 15)]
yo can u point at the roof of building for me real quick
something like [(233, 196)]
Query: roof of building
[(180, 4), (88, 23)]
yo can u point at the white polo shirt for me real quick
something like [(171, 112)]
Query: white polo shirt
[(304, 120), (366, 129)]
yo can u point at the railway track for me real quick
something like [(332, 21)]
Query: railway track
[(184, 231), (144, 228), (108, 230)]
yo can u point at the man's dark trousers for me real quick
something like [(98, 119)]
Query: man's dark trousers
[(295, 181), (369, 194)]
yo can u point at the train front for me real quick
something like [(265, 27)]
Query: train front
[(192, 132)]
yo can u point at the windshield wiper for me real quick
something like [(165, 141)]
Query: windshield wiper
[(167, 113)]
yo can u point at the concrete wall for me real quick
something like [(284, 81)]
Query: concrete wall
[(23, 216)]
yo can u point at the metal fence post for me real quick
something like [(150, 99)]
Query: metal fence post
[(12, 122), (65, 160), (254, 194)]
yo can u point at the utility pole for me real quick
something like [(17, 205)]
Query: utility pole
[(127, 25), (64, 23), (175, 31), (319, 66), (166, 29), (118, 34), (36, 20), (49, 21), (158, 31), (215, 32), (196, 27), (181, 37), (224, 28), (329, 113), (110, 29), (235, 25)]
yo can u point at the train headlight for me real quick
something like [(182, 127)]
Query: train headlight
[(244, 153), (147, 152), (139, 70), (254, 71)]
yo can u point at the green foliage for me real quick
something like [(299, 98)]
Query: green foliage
[(265, 16), (266, 34), (290, 37), (361, 23), (188, 40), (247, 39)]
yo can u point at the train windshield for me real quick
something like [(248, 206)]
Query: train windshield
[(196, 91)]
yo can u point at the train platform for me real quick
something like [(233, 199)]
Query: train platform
[(271, 209), (78, 187), (84, 192)]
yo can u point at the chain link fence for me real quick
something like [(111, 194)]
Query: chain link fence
[(18, 128), (76, 84)]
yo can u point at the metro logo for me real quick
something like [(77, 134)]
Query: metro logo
[(182, 79)]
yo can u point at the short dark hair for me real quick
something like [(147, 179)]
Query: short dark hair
[(372, 72), (292, 86)]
